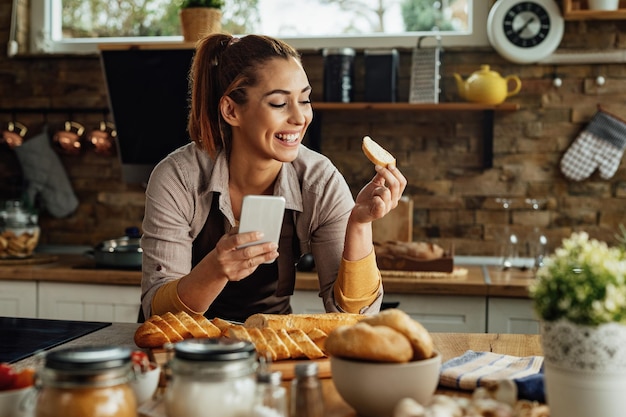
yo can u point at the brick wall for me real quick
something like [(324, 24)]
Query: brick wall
[(439, 152)]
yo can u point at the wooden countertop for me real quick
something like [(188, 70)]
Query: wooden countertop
[(449, 344), (479, 280)]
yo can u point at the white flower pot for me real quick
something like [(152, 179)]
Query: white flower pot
[(585, 369), (603, 4)]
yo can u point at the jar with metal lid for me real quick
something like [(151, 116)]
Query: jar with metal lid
[(216, 374), (19, 230), (86, 381)]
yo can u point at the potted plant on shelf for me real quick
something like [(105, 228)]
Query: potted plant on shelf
[(580, 296), (198, 18)]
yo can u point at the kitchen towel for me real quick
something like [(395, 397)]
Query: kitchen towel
[(600, 145), (519, 377)]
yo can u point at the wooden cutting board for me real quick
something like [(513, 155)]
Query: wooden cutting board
[(287, 367)]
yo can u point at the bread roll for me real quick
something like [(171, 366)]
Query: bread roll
[(376, 153), (326, 322), (373, 343), (419, 338)]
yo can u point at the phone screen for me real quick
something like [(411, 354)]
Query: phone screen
[(262, 213)]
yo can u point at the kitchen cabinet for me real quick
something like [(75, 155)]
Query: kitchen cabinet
[(303, 301), (511, 315), (18, 299), (90, 302), (437, 313), (488, 112), (578, 10)]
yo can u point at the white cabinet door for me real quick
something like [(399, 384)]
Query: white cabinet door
[(512, 315), (18, 299), (303, 301), (90, 302), (437, 313)]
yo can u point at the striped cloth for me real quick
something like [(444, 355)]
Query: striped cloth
[(474, 369)]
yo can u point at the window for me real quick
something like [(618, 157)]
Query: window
[(305, 24)]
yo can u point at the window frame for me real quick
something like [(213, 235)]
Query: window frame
[(44, 36)]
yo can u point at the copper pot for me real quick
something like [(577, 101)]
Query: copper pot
[(68, 138)]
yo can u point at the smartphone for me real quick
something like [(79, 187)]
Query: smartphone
[(262, 213)]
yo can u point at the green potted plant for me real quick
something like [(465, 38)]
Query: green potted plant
[(580, 297), (198, 18)]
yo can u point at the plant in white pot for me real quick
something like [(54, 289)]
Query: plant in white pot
[(580, 296), (199, 18)]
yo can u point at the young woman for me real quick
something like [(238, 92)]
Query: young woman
[(250, 108)]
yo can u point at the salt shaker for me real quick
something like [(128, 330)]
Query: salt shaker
[(306, 392), (271, 397)]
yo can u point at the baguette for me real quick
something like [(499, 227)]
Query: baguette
[(376, 153), (326, 322)]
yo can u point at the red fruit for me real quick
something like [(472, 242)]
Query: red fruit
[(141, 360), (24, 378), (7, 376)]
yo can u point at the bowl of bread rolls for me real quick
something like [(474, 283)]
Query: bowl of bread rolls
[(381, 360)]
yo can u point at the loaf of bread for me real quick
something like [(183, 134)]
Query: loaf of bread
[(415, 250), (274, 343), (376, 153), (389, 336), (326, 322)]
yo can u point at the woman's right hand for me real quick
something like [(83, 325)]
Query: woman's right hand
[(233, 262)]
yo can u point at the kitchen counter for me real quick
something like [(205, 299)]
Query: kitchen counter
[(449, 345), (480, 280)]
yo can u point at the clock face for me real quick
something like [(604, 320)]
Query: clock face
[(525, 31), (526, 24)]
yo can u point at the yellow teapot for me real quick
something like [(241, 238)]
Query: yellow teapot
[(487, 87)]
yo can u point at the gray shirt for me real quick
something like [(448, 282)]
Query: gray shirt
[(178, 201)]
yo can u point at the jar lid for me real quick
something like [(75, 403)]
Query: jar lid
[(88, 358), (339, 51), (214, 349)]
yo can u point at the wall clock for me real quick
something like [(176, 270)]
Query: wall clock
[(524, 31)]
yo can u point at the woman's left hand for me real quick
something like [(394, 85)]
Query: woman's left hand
[(380, 195)]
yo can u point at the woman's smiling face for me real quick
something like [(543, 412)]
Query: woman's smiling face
[(273, 122)]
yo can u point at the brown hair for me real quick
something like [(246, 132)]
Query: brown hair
[(224, 66)]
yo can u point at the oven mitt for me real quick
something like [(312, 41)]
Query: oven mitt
[(600, 145), (46, 176)]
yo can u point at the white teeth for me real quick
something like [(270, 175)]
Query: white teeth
[(288, 138)]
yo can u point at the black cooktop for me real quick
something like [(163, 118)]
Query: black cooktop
[(23, 337)]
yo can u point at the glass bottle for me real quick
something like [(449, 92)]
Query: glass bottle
[(86, 381), (215, 376), (509, 256), (271, 397), (307, 399)]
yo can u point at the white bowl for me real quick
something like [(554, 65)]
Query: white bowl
[(373, 389), (144, 384), (18, 402)]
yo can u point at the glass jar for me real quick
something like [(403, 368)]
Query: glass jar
[(19, 231), (86, 381), (216, 374)]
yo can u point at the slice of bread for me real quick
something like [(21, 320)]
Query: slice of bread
[(376, 153)]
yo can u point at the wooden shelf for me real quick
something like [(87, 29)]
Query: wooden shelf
[(578, 10), (326, 106), (487, 110)]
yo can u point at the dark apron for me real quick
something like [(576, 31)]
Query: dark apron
[(267, 289)]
